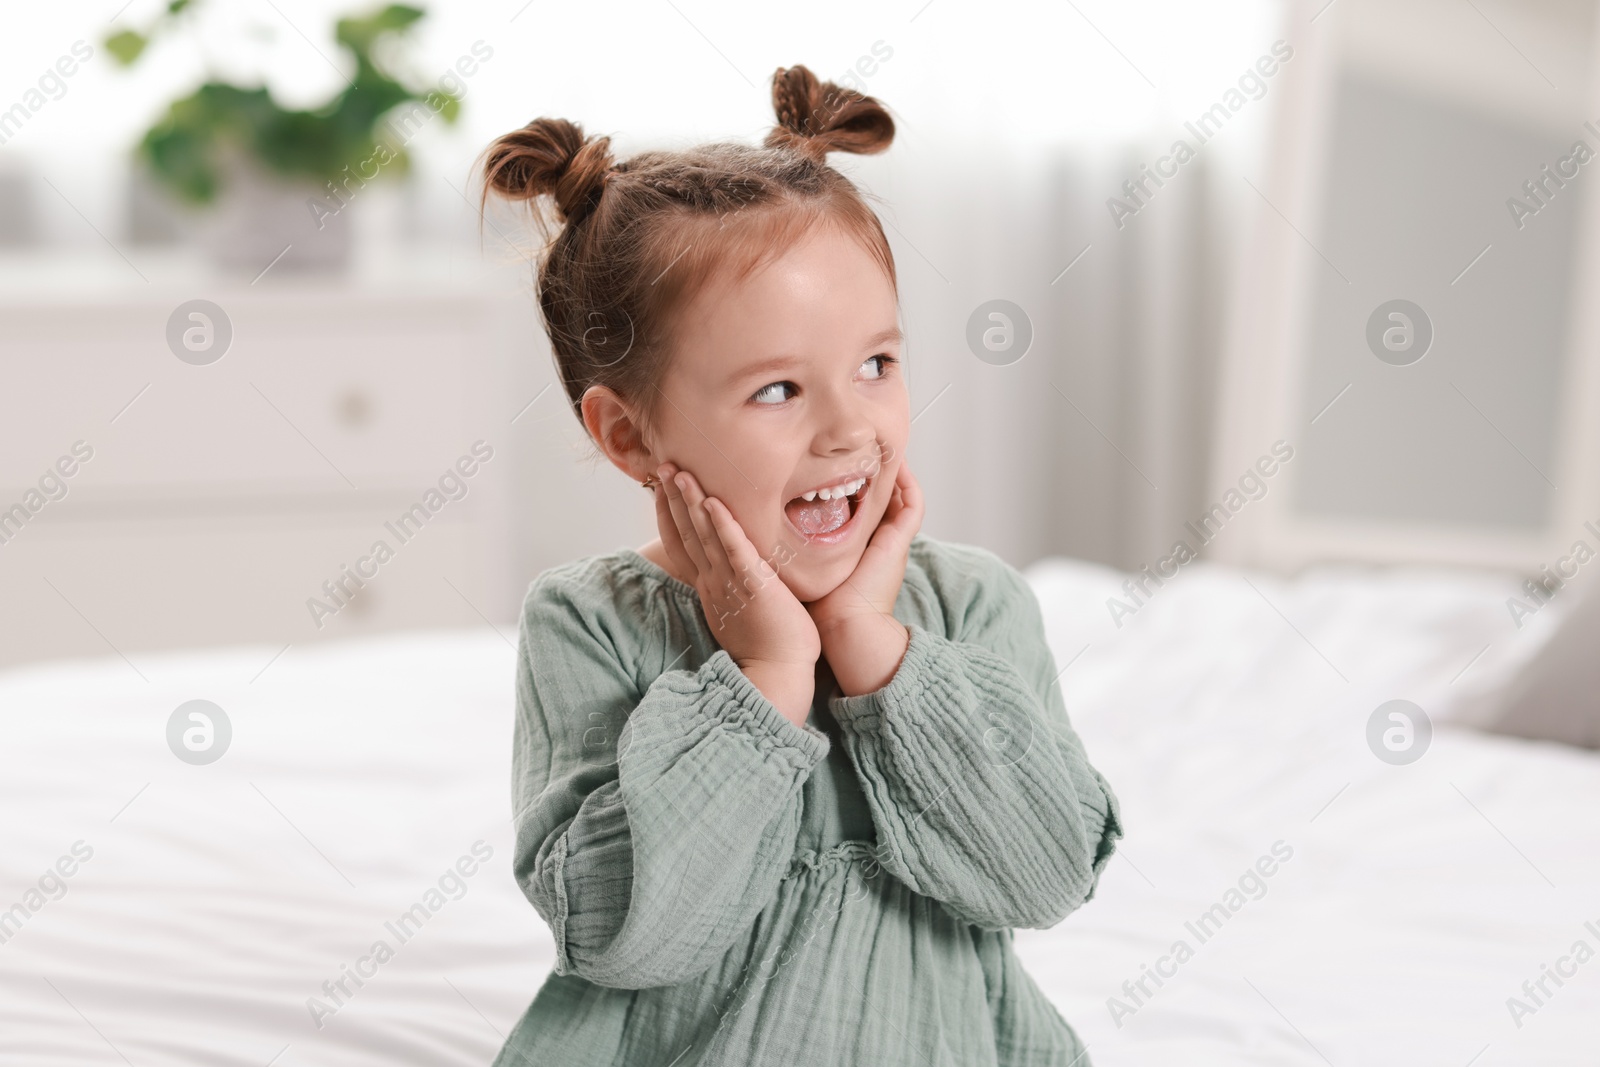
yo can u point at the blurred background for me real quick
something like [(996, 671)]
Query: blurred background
[(376, 337), (313, 184), (1262, 333), (311, 181)]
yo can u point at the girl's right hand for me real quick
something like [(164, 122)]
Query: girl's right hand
[(754, 616)]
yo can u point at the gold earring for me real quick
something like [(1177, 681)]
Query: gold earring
[(650, 482)]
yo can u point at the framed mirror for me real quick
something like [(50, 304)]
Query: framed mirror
[(1416, 316)]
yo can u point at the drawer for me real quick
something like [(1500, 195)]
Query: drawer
[(129, 587), (341, 396)]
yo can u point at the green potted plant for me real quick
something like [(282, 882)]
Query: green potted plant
[(271, 181)]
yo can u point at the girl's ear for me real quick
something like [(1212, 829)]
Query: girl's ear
[(614, 426)]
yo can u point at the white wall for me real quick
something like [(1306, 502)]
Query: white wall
[(1015, 120)]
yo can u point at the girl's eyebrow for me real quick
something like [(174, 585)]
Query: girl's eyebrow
[(780, 363), (764, 368)]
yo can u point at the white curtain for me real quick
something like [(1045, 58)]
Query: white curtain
[(1096, 443)]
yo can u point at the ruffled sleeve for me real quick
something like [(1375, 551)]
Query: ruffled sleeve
[(980, 789), (652, 827)]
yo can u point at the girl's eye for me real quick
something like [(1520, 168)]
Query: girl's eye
[(883, 360), (779, 392), (773, 394)]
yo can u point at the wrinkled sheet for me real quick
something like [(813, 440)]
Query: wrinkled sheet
[(1229, 713)]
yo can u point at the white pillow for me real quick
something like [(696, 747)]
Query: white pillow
[(1556, 694)]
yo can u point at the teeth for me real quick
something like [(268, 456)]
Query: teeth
[(836, 492)]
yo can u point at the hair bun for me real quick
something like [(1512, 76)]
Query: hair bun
[(549, 156), (815, 118)]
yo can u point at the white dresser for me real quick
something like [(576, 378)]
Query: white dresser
[(221, 496)]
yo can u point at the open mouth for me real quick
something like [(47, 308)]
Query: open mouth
[(823, 514)]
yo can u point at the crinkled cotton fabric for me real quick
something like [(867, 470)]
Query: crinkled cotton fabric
[(728, 889)]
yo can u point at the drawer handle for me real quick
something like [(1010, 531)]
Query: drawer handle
[(354, 409)]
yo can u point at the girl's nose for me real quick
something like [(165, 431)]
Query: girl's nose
[(845, 427)]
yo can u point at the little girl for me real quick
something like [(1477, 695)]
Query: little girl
[(785, 778)]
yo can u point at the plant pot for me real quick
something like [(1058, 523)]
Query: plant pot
[(261, 219)]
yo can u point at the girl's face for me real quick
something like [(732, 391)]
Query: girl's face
[(786, 383)]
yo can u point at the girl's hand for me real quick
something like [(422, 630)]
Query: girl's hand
[(752, 613), (862, 640)]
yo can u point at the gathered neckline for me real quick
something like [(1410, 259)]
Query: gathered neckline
[(655, 570), (640, 561)]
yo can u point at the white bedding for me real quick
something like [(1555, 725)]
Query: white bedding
[(1418, 898)]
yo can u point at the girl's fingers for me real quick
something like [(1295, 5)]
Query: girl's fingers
[(671, 539), (903, 518), (710, 544), (745, 561), (680, 517), (911, 493)]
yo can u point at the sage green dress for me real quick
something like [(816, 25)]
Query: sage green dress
[(726, 888)]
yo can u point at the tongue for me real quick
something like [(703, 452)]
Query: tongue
[(812, 517)]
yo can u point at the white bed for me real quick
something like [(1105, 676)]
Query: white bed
[(1229, 714)]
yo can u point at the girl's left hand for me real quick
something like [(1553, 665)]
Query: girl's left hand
[(861, 639)]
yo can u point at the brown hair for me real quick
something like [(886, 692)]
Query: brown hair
[(640, 237)]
